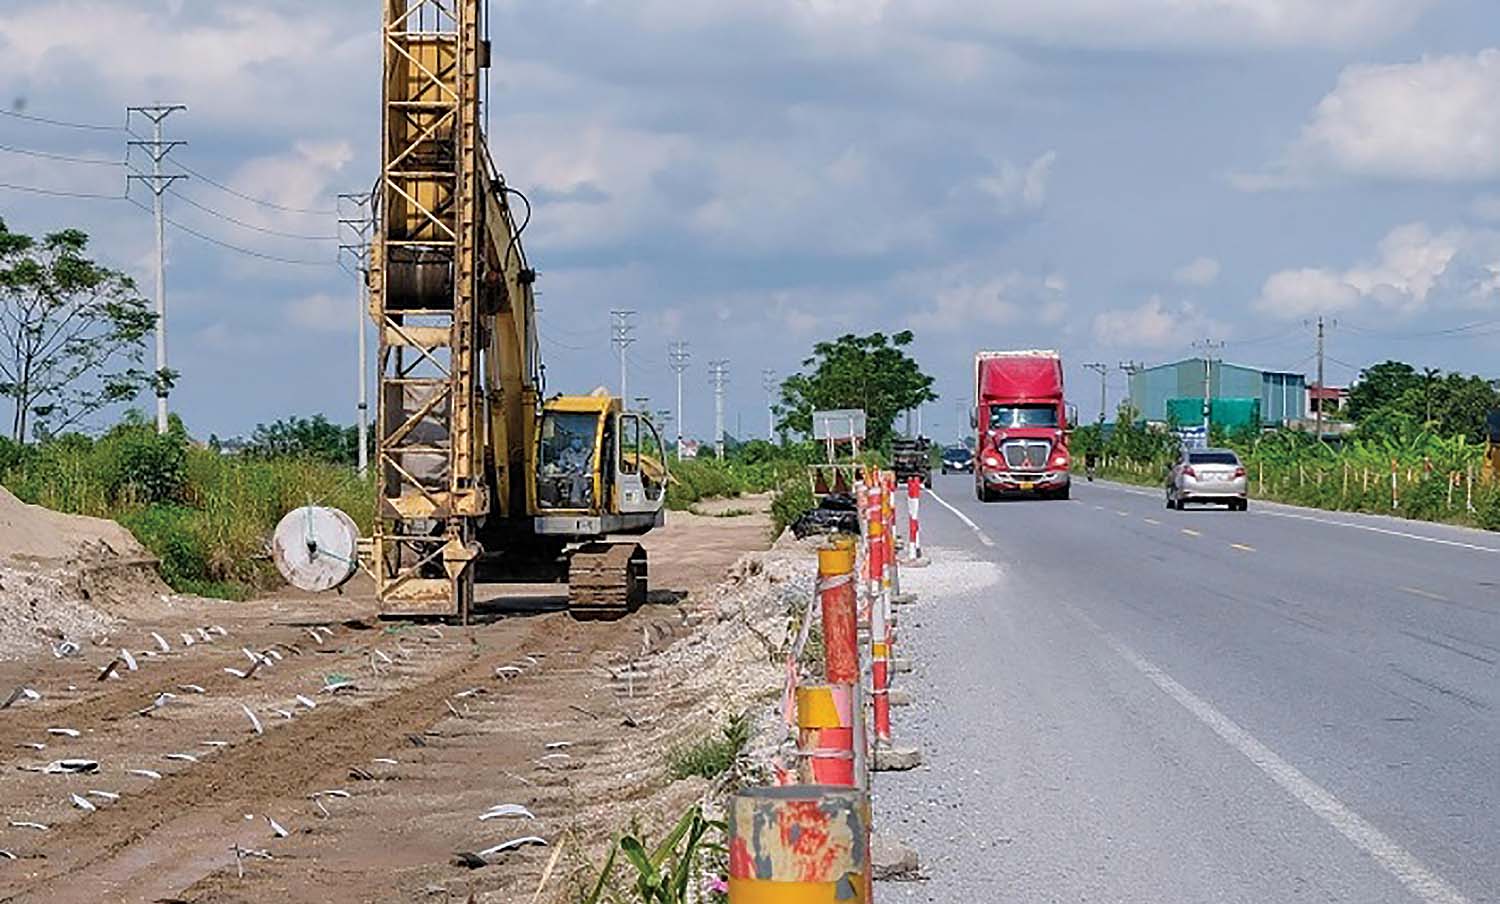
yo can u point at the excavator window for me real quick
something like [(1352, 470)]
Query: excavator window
[(565, 477), (651, 456), (630, 444)]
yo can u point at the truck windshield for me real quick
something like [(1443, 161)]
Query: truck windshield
[(1022, 416)]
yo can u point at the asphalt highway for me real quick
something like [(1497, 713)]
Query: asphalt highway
[(1118, 703)]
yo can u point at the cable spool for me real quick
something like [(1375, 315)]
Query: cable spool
[(316, 548)]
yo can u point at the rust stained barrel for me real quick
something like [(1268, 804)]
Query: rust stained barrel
[(825, 734), (800, 844), (836, 592)]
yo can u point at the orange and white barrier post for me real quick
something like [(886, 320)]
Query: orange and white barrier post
[(803, 843), (826, 719), (879, 629), (841, 668), (913, 520)]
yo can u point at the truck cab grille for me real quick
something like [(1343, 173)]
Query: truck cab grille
[(1026, 454)]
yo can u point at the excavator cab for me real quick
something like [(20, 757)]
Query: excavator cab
[(600, 470)]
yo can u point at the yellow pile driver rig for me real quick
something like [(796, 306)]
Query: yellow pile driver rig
[(477, 475)]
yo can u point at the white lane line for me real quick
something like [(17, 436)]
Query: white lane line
[(983, 538), (1263, 509), (1122, 514), (1242, 547), (1190, 532), (1432, 596), (1152, 521), (1393, 858), (1380, 530)]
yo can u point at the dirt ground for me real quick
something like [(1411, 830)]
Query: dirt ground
[(271, 787)]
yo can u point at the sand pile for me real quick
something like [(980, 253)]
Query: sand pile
[(62, 576)]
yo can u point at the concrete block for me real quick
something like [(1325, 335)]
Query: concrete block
[(892, 859), (900, 665), (916, 563), (903, 599), (899, 696), (896, 759)]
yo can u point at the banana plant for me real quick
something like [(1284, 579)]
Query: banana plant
[(665, 874)]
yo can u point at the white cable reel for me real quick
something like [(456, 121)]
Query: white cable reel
[(316, 548)]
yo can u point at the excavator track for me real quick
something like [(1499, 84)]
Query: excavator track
[(606, 580)]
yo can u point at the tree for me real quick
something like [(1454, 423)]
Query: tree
[(72, 333), (871, 372), (314, 437), (1395, 399), (1382, 386)]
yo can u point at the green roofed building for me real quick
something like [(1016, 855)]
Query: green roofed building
[(1242, 396)]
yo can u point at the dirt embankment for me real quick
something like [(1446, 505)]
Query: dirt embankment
[(64, 579), (379, 785)]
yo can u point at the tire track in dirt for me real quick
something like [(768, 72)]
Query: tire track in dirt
[(313, 751)]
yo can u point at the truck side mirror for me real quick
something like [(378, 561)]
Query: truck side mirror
[(973, 419), (1072, 415)]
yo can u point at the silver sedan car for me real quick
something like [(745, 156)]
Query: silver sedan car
[(1208, 475)]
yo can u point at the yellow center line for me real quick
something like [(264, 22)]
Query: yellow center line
[(1242, 547), (1190, 532), (1152, 521), (1431, 596)]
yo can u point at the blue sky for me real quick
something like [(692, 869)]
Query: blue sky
[(1113, 178)]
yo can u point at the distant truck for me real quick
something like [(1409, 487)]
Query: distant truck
[(1022, 424), (912, 458)]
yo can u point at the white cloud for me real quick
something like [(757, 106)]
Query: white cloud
[(1437, 119), (960, 300), (1019, 188), (1414, 269), (1487, 208), (1087, 23), (1310, 290), (323, 313), (1153, 324), (1199, 273)]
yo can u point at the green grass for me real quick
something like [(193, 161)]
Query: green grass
[(206, 516), (712, 756)]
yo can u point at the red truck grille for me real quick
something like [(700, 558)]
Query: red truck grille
[(1026, 454)]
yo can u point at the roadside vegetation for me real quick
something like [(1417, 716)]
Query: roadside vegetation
[(1417, 450), (204, 514)]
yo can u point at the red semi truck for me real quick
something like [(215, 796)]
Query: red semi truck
[(1022, 423)]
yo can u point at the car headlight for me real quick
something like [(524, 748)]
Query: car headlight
[(992, 461)]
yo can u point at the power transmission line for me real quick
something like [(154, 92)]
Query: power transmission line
[(313, 211), (1103, 371), (16, 114), (768, 383), (66, 158), (360, 225), (718, 373), (620, 338), (1208, 347), (158, 148), (677, 358), (228, 246), (262, 229), (58, 193)]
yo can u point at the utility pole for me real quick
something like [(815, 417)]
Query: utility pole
[(360, 225), (718, 372), (1103, 371), (1130, 369), (677, 358), (158, 149), (620, 338), (1322, 335), (768, 383), (1208, 346)]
